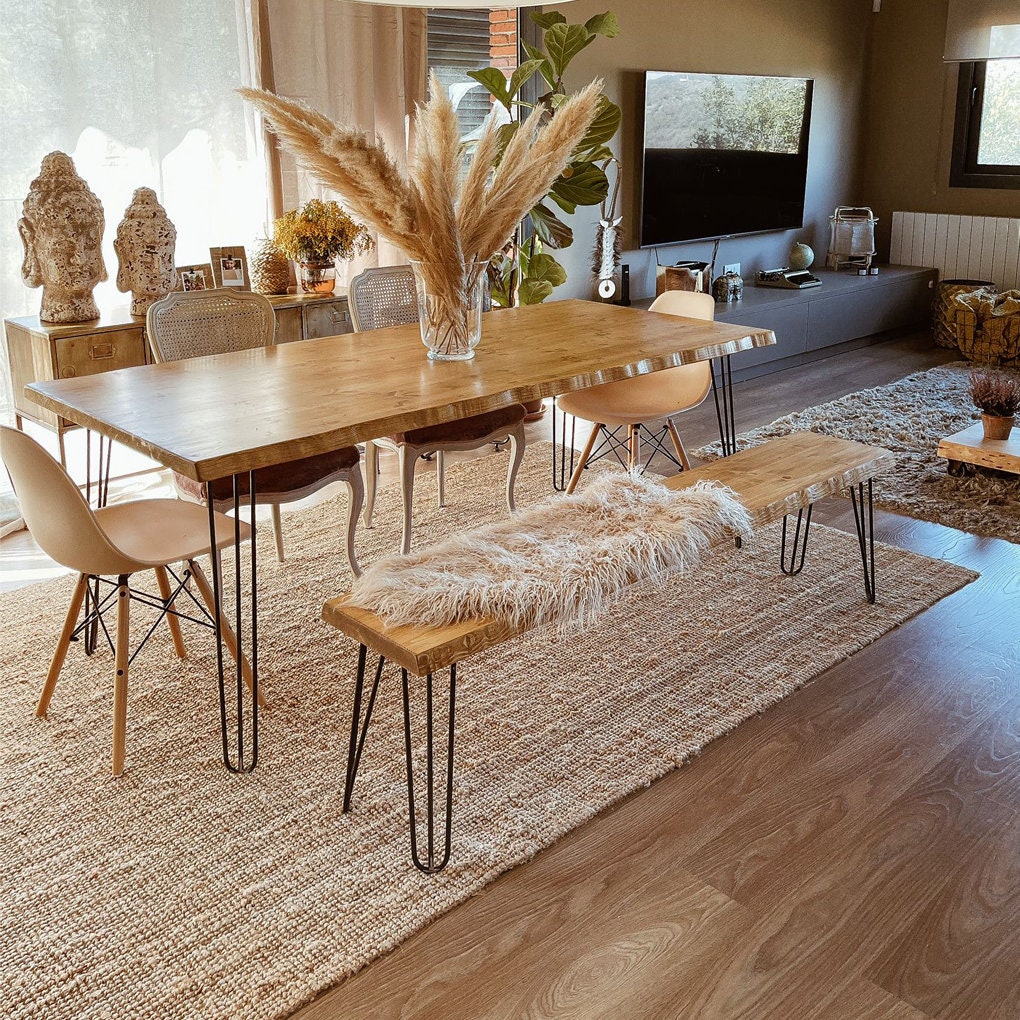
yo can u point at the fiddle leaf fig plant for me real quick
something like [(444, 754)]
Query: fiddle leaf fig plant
[(525, 272)]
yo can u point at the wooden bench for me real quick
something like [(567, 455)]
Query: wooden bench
[(785, 476)]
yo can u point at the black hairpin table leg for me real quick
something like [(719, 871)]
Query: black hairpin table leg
[(91, 604), (561, 473), (864, 518), (243, 758), (798, 546), (435, 858), (722, 391)]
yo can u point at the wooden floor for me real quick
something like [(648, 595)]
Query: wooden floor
[(853, 853)]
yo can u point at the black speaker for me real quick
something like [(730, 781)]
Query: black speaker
[(625, 284)]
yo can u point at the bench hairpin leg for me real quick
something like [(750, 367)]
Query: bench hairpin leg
[(431, 864), (358, 732), (799, 544), (864, 518)]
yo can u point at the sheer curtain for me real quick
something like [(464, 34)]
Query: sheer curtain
[(356, 63), (139, 93)]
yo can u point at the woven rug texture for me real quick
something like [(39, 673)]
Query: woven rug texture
[(908, 418), (181, 892)]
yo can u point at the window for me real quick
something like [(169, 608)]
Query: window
[(986, 141)]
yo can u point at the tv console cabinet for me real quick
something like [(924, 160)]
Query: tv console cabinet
[(846, 309)]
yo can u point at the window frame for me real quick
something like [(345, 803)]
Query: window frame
[(965, 171)]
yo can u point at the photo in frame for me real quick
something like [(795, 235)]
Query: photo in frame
[(229, 266), (196, 277)]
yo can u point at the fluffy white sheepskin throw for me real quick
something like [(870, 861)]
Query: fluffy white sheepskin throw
[(559, 561)]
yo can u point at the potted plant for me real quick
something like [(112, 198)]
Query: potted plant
[(315, 236), (997, 396)]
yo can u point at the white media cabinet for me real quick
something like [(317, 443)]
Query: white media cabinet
[(845, 309)]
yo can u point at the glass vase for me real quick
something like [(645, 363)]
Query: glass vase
[(317, 277), (451, 296)]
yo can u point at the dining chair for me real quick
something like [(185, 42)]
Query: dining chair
[(386, 296), (630, 403), (117, 541), (197, 323)]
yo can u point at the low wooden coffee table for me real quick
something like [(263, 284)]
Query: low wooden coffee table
[(969, 448)]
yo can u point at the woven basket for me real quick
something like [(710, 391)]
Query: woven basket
[(948, 316)]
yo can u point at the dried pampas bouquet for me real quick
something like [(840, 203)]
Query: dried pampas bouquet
[(448, 220)]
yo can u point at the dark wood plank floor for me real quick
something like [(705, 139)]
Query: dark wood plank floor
[(852, 853)]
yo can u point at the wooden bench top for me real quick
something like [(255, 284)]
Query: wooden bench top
[(782, 476)]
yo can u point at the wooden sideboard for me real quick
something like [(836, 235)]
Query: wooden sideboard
[(308, 316)]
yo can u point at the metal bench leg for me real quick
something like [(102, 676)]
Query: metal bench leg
[(864, 518), (359, 729), (795, 564), (432, 862)]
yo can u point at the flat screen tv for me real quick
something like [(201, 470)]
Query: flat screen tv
[(724, 154)]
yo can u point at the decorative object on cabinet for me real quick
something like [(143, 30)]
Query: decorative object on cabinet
[(315, 236), (997, 396), (801, 256), (728, 287), (145, 245), (195, 277), (61, 228), (851, 237), (438, 212), (606, 257), (269, 268), (228, 266)]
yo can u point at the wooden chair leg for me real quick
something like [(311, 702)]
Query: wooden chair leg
[(586, 453), (440, 478), (633, 447), (678, 445), (277, 532), (355, 499), (57, 662), (172, 622), (516, 456), (371, 473), (406, 458), (205, 590), (120, 683)]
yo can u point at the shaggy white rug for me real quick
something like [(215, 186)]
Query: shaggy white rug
[(909, 417)]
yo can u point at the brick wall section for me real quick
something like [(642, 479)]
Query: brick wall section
[(503, 39)]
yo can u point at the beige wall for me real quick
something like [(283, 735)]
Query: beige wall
[(823, 39), (909, 122)]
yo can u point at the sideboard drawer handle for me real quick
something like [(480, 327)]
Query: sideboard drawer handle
[(100, 352), (337, 316)]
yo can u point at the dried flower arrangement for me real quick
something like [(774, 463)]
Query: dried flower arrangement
[(320, 232), (450, 222), (995, 393)]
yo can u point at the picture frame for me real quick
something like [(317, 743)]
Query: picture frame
[(230, 266), (195, 277)]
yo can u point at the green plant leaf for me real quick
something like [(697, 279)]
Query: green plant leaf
[(523, 75), (598, 155), (603, 127), (604, 24), (583, 184), (534, 292), (550, 229), (546, 19), (564, 42), (545, 267), (505, 132), (494, 82), (564, 203), (544, 66)]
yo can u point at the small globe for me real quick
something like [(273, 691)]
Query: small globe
[(801, 256)]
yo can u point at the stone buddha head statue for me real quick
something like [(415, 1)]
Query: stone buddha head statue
[(61, 228), (145, 244)]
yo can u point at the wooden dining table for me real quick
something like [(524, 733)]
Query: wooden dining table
[(229, 414)]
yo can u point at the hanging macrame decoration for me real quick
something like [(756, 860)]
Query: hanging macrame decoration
[(606, 257)]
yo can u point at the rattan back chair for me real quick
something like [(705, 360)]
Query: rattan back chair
[(387, 297), (631, 403), (199, 323)]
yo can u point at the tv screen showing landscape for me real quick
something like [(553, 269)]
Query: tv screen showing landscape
[(724, 154)]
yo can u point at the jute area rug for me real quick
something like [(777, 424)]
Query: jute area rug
[(909, 417), (180, 891)]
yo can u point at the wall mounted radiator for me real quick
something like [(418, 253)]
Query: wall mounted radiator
[(959, 247)]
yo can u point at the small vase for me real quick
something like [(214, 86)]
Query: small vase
[(451, 296), (317, 277), (997, 427)]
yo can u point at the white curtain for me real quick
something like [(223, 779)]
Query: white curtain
[(139, 93), (356, 63), (982, 30)]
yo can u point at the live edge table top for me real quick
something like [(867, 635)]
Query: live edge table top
[(222, 415)]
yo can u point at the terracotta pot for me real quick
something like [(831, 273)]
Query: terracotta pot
[(996, 427)]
